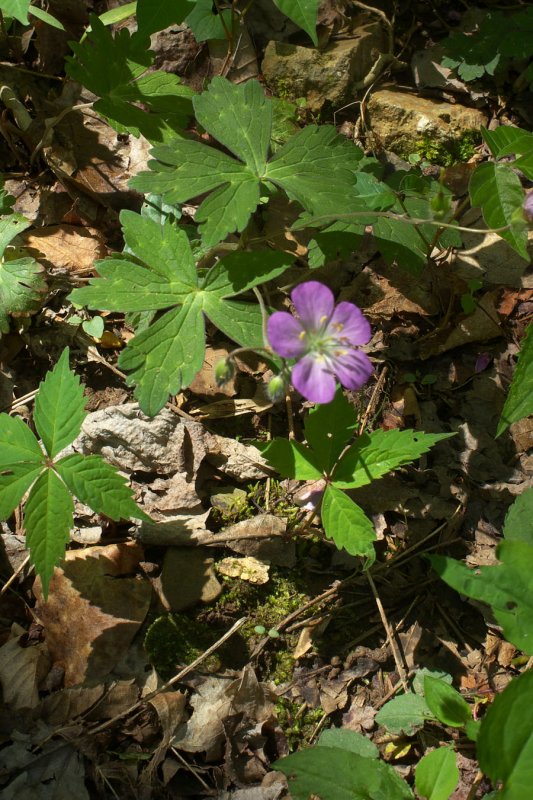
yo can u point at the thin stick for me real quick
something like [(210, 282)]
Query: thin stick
[(176, 679), (15, 575), (402, 672)]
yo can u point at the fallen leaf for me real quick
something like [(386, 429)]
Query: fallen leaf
[(188, 577), (66, 247), (22, 668)]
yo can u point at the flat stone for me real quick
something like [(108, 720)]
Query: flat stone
[(400, 120), (187, 578)]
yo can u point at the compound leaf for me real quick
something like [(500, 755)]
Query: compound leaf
[(15, 480), (328, 429), (59, 407), (97, 484), (18, 443), (333, 773), (303, 13), (405, 713), (446, 703), (375, 454), (156, 15), (347, 524), (17, 9), (519, 401), (48, 520), (291, 459), (436, 774), (497, 190), (505, 741)]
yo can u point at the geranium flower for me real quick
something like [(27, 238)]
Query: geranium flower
[(323, 340)]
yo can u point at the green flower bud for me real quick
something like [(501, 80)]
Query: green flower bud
[(224, 371), (277, 388)]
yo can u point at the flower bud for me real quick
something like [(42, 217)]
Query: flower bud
[(527, 208), (224, 371), (277, 388)]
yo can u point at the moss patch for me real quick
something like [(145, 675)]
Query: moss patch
[(175, 640), (447, 153)]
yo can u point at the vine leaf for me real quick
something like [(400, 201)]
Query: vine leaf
[(303, 13), (497, 190)]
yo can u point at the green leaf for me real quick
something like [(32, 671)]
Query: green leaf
[(316, 164), (18, 443), (375, 454), (21, 280), (497, 190), (155, 104), (337, 774), (291, 459), (436, 774), (16, 8), (44, 16), (167, 353), (48, 521), (406, 714), (156, 15), (15, 480), (505, 742), (59, 407), (97, 484), (205, 23), (303, 13), (446, 703), (507, 140), (329, 427), (519, 402), (507, 588), (347, 524), (518, 525), (351, 741), (118, 14)]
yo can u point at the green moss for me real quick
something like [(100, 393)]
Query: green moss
[(452, 151), (296, 721), (175, 640)]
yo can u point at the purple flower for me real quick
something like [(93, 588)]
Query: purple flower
[(323, 341), (528, 207)]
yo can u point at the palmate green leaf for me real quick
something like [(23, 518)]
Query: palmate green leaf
[(497, 190), (507, 588), (328, 429), (291, 459), (15, 480), (437, 775), (97, 484), (156, 15), (59, 407), (303, 13), (446, 703), (347, 524), (314, 165), (113, 67), (519, 402), (18, 443), (48, 519), (405, 713), (505, 741), (333, 773), (165, 356), (17, 9), (375, 454)]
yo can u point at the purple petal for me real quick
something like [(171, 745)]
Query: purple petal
[(313, 380), (347, 322), (286, 335), (314, 304), (353, 369)]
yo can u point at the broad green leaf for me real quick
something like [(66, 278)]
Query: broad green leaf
[(505, 742), (436, 774), (155, 104), (303, 13), (519, 402), (6, 200), (21, 280), (59, 407), (420, 677), (328, 429), (291, 459), (316, 164), (406, 714), (118, 14), (165, 357), (351, 741), (18, 443), (97, 484), (508, 140), (347, 524), (205, 23), (15, 480), (446, 703), (48, 520), (507, 588), (16, 8), (156, 15), (44, 16), (375, 454), (518, 525), (497, 190), (335, 774)]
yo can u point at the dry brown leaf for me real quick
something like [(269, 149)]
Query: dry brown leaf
[(21, 670), (246, 569), (68, 247), (93, 609), (204, 382), (481, 326)]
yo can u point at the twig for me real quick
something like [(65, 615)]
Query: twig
[(15, 575), (402, 672)]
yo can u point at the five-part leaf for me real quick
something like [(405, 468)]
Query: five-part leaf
[(165, 356), (59, 407), (347, 524), (314, 164), (21, 281)]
